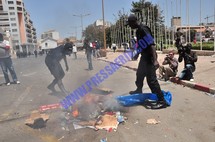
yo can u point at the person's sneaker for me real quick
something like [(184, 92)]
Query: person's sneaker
[(192, 80), (160, 105), (8, 84), (51, 88), (17, 82), (135, 92)]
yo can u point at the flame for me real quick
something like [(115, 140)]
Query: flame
[(75, 112)]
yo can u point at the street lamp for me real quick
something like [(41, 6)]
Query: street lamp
[(76, 27), (103, 24), (81, 16)]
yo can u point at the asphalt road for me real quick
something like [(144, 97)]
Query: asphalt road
[(189, 119)]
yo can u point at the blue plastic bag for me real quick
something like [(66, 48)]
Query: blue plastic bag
[(137, 99)]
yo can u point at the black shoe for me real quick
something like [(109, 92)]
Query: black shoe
[(160, 105), (136, 92), (51, 88)]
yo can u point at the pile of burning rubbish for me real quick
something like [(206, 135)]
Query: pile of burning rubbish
[(98, 110)]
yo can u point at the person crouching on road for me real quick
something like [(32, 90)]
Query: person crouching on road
[(190, 57), (52, 61), (169, 67)]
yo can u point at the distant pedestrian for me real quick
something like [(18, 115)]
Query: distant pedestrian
[(178, 38), (74, 51), (6, 61), (88, 51), (114, 47), (52, 61), (35, 53), (97, 50)]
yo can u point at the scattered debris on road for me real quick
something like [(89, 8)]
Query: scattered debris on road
[(152, 121), (37, 120)]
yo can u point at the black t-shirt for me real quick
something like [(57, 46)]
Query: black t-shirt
[(57, 53), (141, 32)]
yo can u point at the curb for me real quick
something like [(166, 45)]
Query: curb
[(134, 69), (175, 80), (193, 85)]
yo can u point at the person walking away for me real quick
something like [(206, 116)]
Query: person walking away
[(114, 47), (148, 63), (52, 61), (189, 57), (178, 36), (169, 67), (35, 53), (97, 50), (6, 61), (88, 51), (75, 51)]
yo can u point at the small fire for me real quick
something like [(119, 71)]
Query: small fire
[(75, 112)]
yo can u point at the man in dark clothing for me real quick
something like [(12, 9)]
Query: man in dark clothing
[(35, 53), (178, 35), (88, 51), (148, 62), (190, 58), (52, 61)]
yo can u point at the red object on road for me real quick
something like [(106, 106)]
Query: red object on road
[(51, 106)]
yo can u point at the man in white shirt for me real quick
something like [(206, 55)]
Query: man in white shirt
[(74, 50), (6, 62)]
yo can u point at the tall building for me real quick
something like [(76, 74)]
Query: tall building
[(15, 20)]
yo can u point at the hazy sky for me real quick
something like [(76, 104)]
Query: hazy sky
[(58, 14)]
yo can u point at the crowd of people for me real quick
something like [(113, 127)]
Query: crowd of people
[(147, 67)]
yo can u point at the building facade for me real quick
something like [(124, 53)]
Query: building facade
[(50, 34), (15, 20)]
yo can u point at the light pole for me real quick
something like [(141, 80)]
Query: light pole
[(76, 27), (103, 17), (82, 28)]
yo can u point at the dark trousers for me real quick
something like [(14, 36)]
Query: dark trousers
[(89, 60), (147, 69), (187, 72), (7, 64)]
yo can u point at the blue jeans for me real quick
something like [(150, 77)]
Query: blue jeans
[(6, 64), (89, 60), (187, 72)]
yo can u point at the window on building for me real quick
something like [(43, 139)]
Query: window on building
[(1, 8), (19, 8), (4, 19), (13, 24), (15, 35), (3, 13), (18, 3), (12, 13), (10, 2), (46, 44), (14, 30), (13, 19), (11, 8)]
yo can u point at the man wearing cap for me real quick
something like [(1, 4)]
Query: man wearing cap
[(148, 62), (52, 61)]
